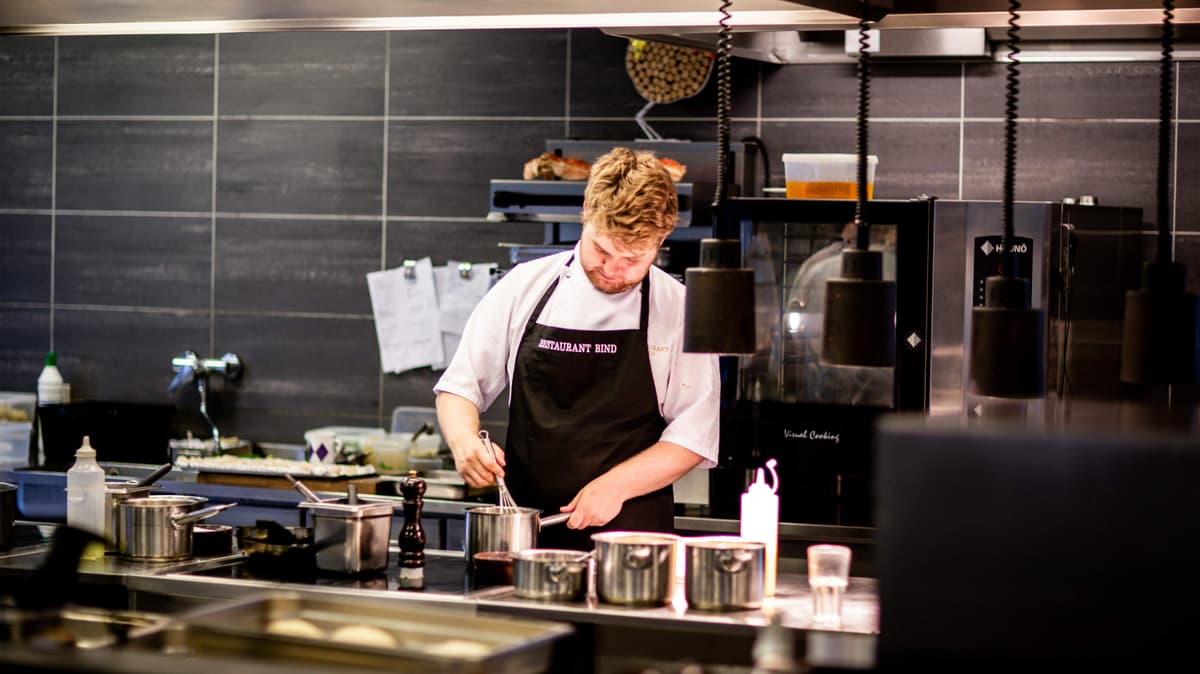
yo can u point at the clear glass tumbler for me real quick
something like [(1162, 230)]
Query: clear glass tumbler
[(828, 576)]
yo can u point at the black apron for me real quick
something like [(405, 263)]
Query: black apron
[(583, 401)]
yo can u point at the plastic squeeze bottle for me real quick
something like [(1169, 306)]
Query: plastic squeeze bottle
[(85, 495), (50, 382), (760, 521)]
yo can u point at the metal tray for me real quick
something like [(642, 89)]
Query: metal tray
[(422, 635)]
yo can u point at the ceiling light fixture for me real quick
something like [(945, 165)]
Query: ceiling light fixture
[(860, 306), (1008, 336), (1159, 344)]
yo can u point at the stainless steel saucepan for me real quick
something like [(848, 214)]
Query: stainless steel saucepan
[(159, 528), (502, 529)]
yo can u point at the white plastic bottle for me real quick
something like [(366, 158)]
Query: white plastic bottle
[(85, 491), (760, 521), (50, 382)]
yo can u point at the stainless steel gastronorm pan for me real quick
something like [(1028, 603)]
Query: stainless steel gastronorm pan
[(423, 635)]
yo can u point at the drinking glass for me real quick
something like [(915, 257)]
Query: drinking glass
[(828, 576)]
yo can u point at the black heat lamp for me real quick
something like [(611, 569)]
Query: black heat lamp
[(719, 306), (1008, 336), (1159, 345), (860, 306)]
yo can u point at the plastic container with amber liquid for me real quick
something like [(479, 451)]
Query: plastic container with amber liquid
[(826, 176)]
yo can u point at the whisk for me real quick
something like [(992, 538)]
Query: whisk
[(506, 499)]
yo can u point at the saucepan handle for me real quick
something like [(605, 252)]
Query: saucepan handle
[(553, 519), (197, 515)]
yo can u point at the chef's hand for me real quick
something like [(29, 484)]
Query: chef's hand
[(595, 505), (474, 462)]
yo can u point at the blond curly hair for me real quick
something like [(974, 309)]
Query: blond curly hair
[(631, 197)]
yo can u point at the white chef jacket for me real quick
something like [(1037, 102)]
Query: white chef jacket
[(687, 384)]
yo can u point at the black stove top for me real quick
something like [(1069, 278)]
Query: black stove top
[(445, 575)]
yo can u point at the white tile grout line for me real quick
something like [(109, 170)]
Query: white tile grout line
[(381, 377), (212, 229), (567, 76), (962, 123), (53, 189), (387, 107), (555, 118), (1175, 164)]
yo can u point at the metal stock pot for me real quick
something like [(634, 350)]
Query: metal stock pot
[(501, 529), (554, 575), (635, 567), (159, 528), (723, 573)]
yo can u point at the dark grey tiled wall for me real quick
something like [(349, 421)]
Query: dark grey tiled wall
[(230, 193)]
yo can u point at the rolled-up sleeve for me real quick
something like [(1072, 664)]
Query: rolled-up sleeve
[(478, 370)]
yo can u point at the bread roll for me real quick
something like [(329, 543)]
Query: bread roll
[(295, 627), (458, 648), (363, 635)]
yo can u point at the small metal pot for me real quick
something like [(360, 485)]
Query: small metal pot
[(114, 493), (635, 567), (159, 528), (351, 537), (550, 575), (723, 573), (500, 529), (8, 512)]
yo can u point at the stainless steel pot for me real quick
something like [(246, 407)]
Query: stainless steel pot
[(351, 537), (723, 573), (8, 512), (159, 528), (635, 567), (114, 493), (550, 575), (499, 529)]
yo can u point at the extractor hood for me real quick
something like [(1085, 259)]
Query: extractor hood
[(782, 31)]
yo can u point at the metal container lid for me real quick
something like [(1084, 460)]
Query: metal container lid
[(163, 501), (350, 511)]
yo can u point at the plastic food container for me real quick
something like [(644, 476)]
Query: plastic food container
[(826, 176)]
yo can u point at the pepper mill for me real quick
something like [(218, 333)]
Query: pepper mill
[(412, 535)]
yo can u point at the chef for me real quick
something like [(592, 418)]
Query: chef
[(606, 411)]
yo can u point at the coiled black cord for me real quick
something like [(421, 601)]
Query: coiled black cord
[(1011, 90), (724, 102), (863, 239), (1166, 103)]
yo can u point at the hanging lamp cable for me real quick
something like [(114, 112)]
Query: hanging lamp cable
[(1011, 91), (724, 102), (864, 108), (1165, 103)]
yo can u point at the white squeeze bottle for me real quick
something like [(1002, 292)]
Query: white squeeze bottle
[(85, 493), (760, 521), (50, 382)]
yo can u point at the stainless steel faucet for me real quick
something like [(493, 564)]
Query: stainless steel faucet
[(189, 368)]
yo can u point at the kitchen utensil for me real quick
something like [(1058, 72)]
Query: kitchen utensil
[(635, 567), (154, 475), (506, 499), (353, 536), (723, 573), (501, 529), (303, 489), (210, 540), (491, 568), (114, 493), (8, 512), (552, 575), (159, 528)]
